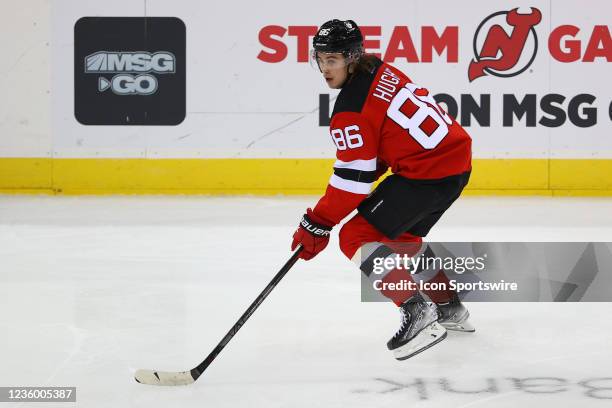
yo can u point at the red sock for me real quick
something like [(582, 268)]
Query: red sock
[(398, 296), (440, 295)]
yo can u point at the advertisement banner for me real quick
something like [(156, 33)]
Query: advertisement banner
[(526, 82)]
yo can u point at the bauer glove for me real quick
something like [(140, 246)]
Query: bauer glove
[(313, 234)]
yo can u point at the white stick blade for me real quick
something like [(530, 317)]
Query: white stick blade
[(152, 377)]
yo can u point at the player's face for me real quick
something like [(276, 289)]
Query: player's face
[(333, 67)]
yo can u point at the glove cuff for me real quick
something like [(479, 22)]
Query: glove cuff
[(318, 219), (314, 228)]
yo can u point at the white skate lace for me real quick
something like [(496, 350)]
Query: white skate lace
[(403, 321)]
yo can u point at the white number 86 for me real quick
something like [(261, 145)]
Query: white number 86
[(345, 140)]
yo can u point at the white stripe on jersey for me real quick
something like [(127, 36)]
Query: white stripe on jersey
[(349, 185), (363, 165)]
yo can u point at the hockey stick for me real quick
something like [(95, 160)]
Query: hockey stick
[(154, 377)]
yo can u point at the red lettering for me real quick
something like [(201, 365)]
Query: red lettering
[(303, 34), (601, 35), (371, 44), (266, 39), (571, 51), (401, 46), (599, 45), (430, 40)]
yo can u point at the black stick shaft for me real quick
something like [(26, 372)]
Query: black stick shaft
[(196, 372)]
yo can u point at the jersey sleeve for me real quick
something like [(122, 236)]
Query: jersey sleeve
[(355, 169)]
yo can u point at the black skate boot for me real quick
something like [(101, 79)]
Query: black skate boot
[(419, 330), (454, 316)]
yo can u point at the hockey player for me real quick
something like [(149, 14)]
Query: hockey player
[(382, 120)]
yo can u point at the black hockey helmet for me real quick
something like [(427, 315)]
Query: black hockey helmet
[(338, 36)]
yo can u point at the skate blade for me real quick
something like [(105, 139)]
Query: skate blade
[(429, 336), (463, 325)]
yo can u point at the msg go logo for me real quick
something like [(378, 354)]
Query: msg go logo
[(134, 70), (130, 71)]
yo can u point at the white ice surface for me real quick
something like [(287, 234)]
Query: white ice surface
[(93, 288)]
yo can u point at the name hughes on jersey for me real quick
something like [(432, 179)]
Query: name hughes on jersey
[(387, 86)]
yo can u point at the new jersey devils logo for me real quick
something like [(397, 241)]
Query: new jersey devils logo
[(502, 54)]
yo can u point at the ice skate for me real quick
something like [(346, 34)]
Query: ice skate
[(419, 329), (454, 316)]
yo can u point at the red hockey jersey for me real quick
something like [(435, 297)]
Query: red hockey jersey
[(383, 120)]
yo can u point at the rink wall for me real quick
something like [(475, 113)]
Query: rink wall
[(561, 177), (242, 111)]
